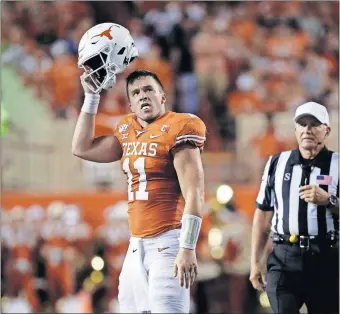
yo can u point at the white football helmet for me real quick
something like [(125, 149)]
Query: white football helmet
[(104, 51)]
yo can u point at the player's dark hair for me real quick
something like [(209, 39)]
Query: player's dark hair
[(140, 73)]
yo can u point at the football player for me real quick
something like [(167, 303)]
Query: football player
[(159, 151)]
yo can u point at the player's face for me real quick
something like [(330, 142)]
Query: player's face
[(310, 132), (147, 99)]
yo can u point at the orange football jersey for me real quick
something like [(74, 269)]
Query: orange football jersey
[(154, 195)]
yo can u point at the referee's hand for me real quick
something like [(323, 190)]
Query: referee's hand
[(313, 194), (258, 277)]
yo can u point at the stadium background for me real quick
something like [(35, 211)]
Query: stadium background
[(243, 67)]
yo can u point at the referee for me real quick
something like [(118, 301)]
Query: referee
[(298, 202)]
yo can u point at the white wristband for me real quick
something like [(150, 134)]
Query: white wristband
[(191, 226), (91, 103)]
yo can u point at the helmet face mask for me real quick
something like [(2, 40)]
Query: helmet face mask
[(99, 76), (104, 51)]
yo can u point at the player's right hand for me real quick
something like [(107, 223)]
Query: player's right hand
[(258, 277)]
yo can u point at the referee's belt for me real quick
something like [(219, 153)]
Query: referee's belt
[(331, 239)]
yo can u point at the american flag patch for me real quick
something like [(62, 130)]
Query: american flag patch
[(324, 180)]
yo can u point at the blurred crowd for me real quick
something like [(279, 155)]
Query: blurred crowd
[(215, 59), (55, 259)]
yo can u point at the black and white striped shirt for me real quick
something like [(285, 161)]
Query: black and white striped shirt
[(284, 173)]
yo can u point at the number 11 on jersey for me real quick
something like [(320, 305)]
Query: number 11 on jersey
[(139, 165)]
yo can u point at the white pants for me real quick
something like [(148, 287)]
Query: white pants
[(146, 282)]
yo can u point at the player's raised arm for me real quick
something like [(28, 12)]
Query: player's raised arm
[(84, 145), (104, 51)]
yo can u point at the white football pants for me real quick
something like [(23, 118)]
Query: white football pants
[(146, 282)]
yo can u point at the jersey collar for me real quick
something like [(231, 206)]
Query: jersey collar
[(138, 127), (320, 159)]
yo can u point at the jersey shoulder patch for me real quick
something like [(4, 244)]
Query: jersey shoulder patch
[(124, 124)]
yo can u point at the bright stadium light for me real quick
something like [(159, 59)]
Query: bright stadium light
[(215, 237), (217, 252), (97, 263), (224, 194), (97, 277)]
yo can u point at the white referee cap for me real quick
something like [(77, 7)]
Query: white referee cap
[(312, 109)]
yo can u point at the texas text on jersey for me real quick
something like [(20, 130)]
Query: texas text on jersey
[(155, 200)]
